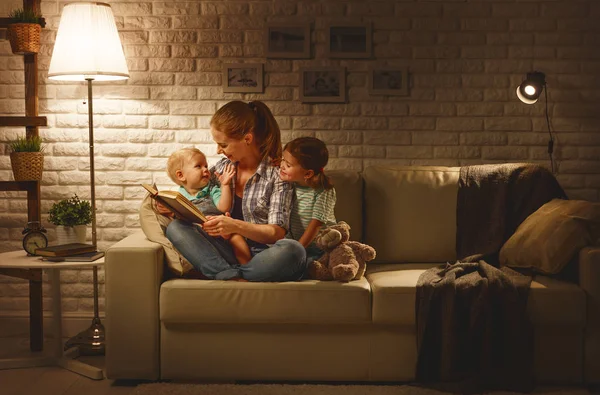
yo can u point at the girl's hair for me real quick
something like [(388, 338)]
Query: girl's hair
[(238, 118), (312, 154), (177, 160)]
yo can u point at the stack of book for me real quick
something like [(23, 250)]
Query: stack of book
[(74, 252)]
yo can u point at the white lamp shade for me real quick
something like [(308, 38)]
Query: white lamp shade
[(87, 45)]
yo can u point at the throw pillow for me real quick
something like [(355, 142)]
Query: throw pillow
[(550, 237), (154, 226)]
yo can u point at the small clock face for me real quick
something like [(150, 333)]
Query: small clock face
[(33, 241)]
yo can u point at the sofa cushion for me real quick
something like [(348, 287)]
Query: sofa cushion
[(305, 302), (410, 213), (154, 226), (550, 237), (551, 301), (349, 205)]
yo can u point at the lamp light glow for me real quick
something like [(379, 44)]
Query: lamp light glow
[(530, 90)]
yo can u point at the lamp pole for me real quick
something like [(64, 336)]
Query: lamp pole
[(91, 340), (92, 175), (96, 332)]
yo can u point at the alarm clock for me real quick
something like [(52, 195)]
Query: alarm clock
[(34, 237)]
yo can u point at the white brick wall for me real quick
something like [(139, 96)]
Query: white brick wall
[(465, 60)]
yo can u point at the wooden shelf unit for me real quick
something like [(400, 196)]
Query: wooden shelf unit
[(31, 121)]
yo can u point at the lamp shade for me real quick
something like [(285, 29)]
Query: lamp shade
[(530, 90), (87, 45)]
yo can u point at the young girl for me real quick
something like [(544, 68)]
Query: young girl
[(303, 161)]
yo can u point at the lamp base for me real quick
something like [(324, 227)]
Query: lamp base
[(89, 341)]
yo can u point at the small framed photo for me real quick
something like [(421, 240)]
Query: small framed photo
[(323, 85), (388, 81), (287, 41), (349, 41), (243, 77)]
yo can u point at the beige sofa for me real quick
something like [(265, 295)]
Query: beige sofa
[(310, 330)]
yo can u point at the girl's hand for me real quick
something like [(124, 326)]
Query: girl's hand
[(226, 177), (220, 225)]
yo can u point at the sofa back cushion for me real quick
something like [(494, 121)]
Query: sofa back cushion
[(410, 213), (349, 205)]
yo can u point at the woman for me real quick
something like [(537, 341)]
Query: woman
[(249, 137)]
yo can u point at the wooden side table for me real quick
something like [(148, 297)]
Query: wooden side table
[(19, 261)]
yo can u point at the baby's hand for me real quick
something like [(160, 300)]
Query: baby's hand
[(227, 175)]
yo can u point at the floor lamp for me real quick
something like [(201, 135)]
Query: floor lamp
[(88, 48)]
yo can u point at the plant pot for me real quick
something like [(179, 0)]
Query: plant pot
[(70, 234), (27, 166), (24, 37)]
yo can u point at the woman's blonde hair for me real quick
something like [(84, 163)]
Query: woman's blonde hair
[(177, 160), (312, 154), (237, 118)]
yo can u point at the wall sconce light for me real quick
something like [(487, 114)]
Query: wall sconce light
[(531, 88), (529, 92)]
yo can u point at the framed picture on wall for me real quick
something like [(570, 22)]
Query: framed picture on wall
[(243, 77), (388, 80), (349, 40), (287, 41), (323, 85)]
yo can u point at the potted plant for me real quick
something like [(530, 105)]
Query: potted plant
[(24, 32), (71, 217), (27, 158)]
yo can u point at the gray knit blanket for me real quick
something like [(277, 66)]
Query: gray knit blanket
[(473, 332)]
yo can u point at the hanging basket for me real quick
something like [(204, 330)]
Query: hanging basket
[(27, 166), (24, 37)]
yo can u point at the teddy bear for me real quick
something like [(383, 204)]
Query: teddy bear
[(344, 260)]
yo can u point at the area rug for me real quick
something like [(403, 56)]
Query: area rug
[(309, 389)]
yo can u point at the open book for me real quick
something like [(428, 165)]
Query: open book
[(177, 203)]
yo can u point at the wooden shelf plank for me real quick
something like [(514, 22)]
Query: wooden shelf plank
[(23, 121), (18, 185), (34, 207), (4, 22)]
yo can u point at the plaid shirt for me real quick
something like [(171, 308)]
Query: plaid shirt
[(266, 199)]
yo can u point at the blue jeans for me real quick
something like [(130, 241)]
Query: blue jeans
[(312, 254), (213, 256)]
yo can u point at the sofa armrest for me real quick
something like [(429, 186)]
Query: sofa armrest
[(589, 281), (134, 272)]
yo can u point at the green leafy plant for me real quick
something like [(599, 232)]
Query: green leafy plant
[(21, 15), (71, 212), (24, 144)]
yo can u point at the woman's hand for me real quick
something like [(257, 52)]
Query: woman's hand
[(162, 210), (227, 175), (220, 225)]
